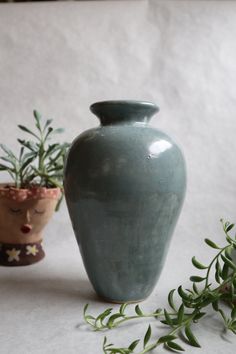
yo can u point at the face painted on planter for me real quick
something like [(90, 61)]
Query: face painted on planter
[(21, 221)]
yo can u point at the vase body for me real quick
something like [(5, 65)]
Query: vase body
[(124, 186)]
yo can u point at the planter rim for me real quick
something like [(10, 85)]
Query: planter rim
[(34, 192)]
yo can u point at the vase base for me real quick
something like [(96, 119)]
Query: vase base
[(112, 301), (16, 255)]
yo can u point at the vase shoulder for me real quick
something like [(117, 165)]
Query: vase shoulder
[(123, 158)]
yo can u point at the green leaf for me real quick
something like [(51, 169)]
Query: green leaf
[(229, 227), (85, 309), (7, 150), (180, 315), (174, 346), (52, 149), (27, 162), (119, 350), (225, 271), (89, 317), (27, 155), (228, 262), (56, 168), (192, 339), (215, 305), (228, 252), (229, 240), (48, 122), (37, 117), (234, 325), (104, 340), (103, 315), (113, 318), (28, 144), (58, 131), (49, 131), (196, 279), (171, 299), (223, 315), (226, 297), (198, 316), (110, 345), (211, 243), (197, 264), (206, 302), (122, 308), (133, 345), (167, 317), (218, 272), (22, 127), (167, 338), (21, 153), (147, 336), (232, 291), (195, 289), (138, 310), (157, 312), (3, 167), (218, 267), (233, 312), (9, 160), (217, 277), (174, 321), (182, 293)]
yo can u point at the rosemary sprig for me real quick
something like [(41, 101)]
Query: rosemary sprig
[(49, 158), (190, 308), (40, 162)]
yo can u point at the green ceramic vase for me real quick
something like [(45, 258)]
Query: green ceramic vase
[(124, 186)]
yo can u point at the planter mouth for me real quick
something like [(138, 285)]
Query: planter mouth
[(35, 192)]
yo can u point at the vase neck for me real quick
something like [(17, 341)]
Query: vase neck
[(123, 112)]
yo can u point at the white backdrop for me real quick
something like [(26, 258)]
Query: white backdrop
[(61, 57)]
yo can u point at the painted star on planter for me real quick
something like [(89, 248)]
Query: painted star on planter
[(13, 255), (32, 250)]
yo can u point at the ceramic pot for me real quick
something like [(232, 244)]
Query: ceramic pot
[(124, 186), (23, 215)]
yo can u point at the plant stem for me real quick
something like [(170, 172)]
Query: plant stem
[(173, 332), (149, 315), (212, 262)]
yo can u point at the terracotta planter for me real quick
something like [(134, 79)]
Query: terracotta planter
[(23, 215)]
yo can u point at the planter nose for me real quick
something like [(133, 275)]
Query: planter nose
[(28, 217)]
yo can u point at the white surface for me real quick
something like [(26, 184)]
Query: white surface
[(59, 58)]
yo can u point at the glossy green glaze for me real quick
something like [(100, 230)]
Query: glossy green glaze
[(124, 186)]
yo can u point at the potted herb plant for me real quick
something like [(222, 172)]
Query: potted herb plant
[(28, 202)]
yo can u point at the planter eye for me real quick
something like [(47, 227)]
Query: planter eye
[(39, 211), (15, 210)]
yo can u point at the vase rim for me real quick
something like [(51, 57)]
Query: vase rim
[(120, 102), (123, 111)]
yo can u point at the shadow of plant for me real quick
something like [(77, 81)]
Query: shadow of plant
[(52, 289)]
